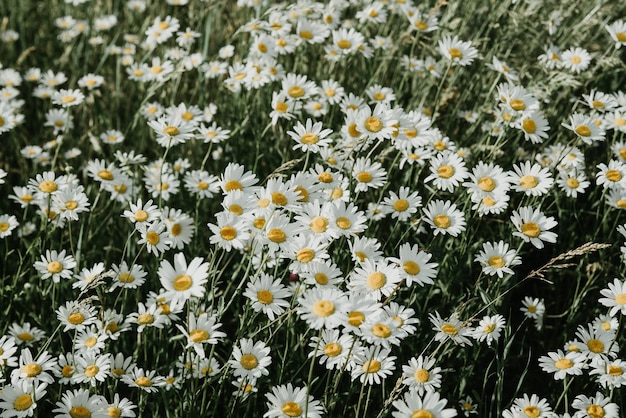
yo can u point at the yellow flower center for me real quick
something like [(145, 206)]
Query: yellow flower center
[(325, 177), (23, 402), (248, 361), (376, 280), (323, 308), (563, 363), (411, 268), (449, 329), (401, 205), (381, 331), (182, 283), (305, 255), (198, 335), (572, 183), (529, 126), (48, 186), (145, 319), (364, 177), (455, 53), (91, 371), (91, 342), (76, 318), (532, 411), (321, 278), (373, 124), (279, 199), (496, 262), (595, 411), (613, 175), (305, 34), (621, 36), (231, 185), (141, 215), (114, 412), (228, 233), (528, 182), (615, 370), (353, 130), (517, 104), (445, 171), (332, 349), (371, 366), (67, 371), (276, 235), (486, 184), (442, 221), (68, 99), (126, 277), (54, 267), (105, 175), (343, 223), (31, 369), (531, 229), (420, 25), (620, 299), (143, 381), (258, 223), (296, 92), (153, 238), (576, 60), (583, 130), (291, 409), (265, 297), (25, 336), (422, 413), (356, 318), (595, 346), (421, 375), (344, 44), (176, 229), (309, 139), (319, 224)]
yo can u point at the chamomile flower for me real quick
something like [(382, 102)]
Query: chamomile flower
[(450, 329), (421, 375), (489, 328), (458, 52), (200, 331), (250, 359), (468, 406), (572, 182), (67, 98), (429, 405), (531, 179), (127, 277), (91, 368), (20, 398), (595, 344), (26, 334), (375, 278), (310, 136), (34, 370), (235, 178), (368, 174), (322, 307), (585, 128), (155, 239), (562, 364), (534, 308), (533, 226), (595, 407), (146, 380), (496, 258), (575, 59), (403, 205), (534, 126), (149, 316), (55, 265), (7, 351), (121, 407), (182, 280), (447, 171), (612, 175), (7, 224), (614, 297), (611, 373), (414, 265), (533, 406), (372, 365), (267, 295), (333, 349), (289, 401), (444, 218)]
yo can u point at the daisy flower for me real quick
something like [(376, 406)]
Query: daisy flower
[(533, 406), (575, 59), (572, 182), (35, 370), (421, 375), (452, 329), (496, 258), (155, 239), (7, 224), (19, 399), (289, 401), (146, 317), (322, 307), (181, 280), (26, 334), (372, 365), (611, 374), (368, 174), (414, 265), (534, 308), (267, 295), (595, 407), (447, 171), (381, 331), (333, 348), (489, 328), (531, 179), (562, 364), (533, 226), (91, 368), (377, 124), (56, 265), (250, 359), (127, 277), (534, 126), (444, 218), (617, 31), (364, 248), (201, 330), (67, 98), (596, 344), (347, 219), (377, 279), (612, 175), (229, 231), (428, 405), (172, 130), (121, 407), (146, 380), (76, 315), (310, 136), (457, 51), (234, 178), (614, 297), (585, 128), (468, 406), (402, 205)]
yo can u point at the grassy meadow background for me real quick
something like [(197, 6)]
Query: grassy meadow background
[(358, 208)]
